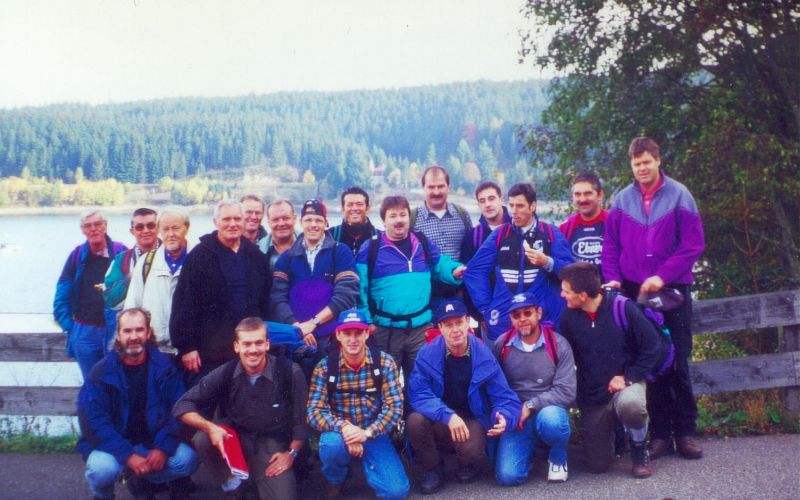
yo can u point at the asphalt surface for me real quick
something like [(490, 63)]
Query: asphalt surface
[(739, 468)]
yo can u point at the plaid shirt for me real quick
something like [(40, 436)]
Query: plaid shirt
[(358, 409), (447, 232)]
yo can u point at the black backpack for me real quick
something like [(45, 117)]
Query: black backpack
[(376, 373)]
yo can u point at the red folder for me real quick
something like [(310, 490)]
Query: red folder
[(234, 455)]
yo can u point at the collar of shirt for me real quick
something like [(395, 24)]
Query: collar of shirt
[(427, 213), (466, 354), (175, 264), (311, 253), (266, 372), (529, 229), (519, 344)]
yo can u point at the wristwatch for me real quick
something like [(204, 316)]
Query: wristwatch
[(293, 453), (369, 434), (316, 320), (530, 405)]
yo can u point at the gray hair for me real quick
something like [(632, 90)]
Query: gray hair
[(227, 203), (92, 211), (179, 211)]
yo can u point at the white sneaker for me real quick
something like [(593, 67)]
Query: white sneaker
[(557, 473)]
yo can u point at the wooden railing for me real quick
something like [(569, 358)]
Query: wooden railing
[(770, 310)]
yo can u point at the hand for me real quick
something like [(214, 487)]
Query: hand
[(310, 339), (138, 465), (355, 450), (353, 434), (652, 284), (612, 284), (191, 361), (523, 416), (459, 432), (100, 287), (499, 427), (617, 384), (217, 435), (156, 459), (459, 272), (278, 464), (536, 257)]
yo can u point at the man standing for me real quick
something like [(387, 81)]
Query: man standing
[(155, 277), (355, 400), (395, 269), (124, 414), (539, 367), (145, 230), (253, 215), (584, 229), (78, 306), (613, 364), (314, 280), (490, 202), (356, 227), (653, 238), (262, 398), (281, 220), (524, 256), (223, 280), (459, 396)]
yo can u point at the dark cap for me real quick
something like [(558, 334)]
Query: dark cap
[(352, 318), (521, 300), (666, 299), (450, 308), (314, 207)]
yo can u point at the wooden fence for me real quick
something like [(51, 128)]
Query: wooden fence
[(770, 310)]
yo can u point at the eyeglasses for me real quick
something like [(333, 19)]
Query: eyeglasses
[(97, 224), (140, 226), (519, 313)]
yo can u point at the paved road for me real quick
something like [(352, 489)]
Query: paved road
[(741, 468)]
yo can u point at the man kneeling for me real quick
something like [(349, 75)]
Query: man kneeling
[(260, 396), (123, 410)]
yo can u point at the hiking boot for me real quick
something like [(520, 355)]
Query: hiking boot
[(139, 487), (688, 448), (431, 481), (640, 460), (556, 473), (661, 447), (180, 489), (332, 491), (465, 474)]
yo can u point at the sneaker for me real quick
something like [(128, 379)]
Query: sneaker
[(640, 460), (556, 473), (688, 448), (431, 481), (661, 447)]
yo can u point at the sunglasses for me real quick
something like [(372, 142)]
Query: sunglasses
[(141, 226), (518, 314)]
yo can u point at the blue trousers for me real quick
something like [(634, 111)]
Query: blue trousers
[(382, 466), (89, 344), (515, 450), (102, 469)]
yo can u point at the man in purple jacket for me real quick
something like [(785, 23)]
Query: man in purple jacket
[(653, 237)]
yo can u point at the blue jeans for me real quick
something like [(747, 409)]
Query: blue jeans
[(515, 450), (382, 466), (89, 343), (102, 469)]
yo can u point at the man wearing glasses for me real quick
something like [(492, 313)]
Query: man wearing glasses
[(78, 305)]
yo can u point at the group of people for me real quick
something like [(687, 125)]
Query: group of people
[(364, 335)]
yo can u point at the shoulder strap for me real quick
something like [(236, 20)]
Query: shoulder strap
[(550, 343), (506, 346), (126, 261), (284, 376), (148, 263), (372, 254), (426, 248), (547, 229), (336, 234), (464, 217), (412, 217), (377, 370), (620, 318), (569, 227), (333, 374), (502, 233), (227, 378)]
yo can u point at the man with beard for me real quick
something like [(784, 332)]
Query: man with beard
[(584, 229), (356, 227), (78, 306), (281, 220), (155, 276), (539, 367), (124, 414), (223, 280), (253, 215)]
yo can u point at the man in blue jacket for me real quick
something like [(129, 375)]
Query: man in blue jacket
[(78, 305), (459, 397), (124, 413), (522, 257)]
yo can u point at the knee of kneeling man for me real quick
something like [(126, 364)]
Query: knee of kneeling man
[(509, 478)]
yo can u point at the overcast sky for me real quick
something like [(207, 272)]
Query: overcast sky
[(103, 51)]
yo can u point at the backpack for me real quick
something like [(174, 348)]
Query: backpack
[(504, 231), (376, 373), (148, 263), (657, 320), (462, 214), (550, 343)]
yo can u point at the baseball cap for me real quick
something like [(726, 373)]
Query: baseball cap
[(314, 207), (450, 308), (521, 300), (352, 318)]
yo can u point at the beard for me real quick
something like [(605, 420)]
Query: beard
[(130, 349)]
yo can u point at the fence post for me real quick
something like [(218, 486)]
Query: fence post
[(790, 342)]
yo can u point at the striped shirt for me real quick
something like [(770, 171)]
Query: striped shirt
[(367, 412), (447, 233)]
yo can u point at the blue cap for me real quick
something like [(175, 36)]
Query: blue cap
[(450, 308), (521, 300), (352, 318)]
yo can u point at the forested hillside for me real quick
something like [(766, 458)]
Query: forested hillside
[(337, 136)]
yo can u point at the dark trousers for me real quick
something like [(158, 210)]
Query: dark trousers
[(429, 437), (670, 399)]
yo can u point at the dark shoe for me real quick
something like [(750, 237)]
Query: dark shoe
[(465, 474), (640, 460), (180, 489), (332, 491), (688, 448), (431, 481), (660, 448), (139, 487)]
